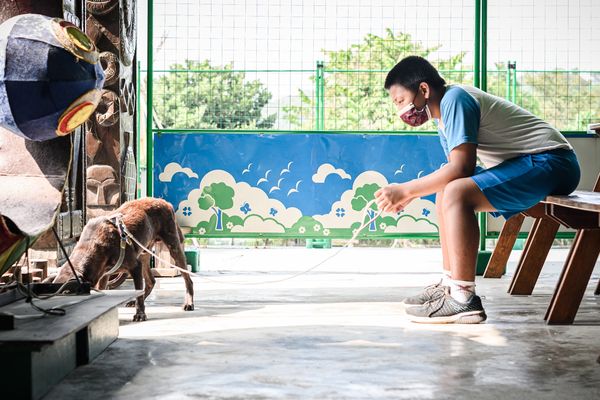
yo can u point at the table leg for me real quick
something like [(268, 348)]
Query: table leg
[(534, 255), (574, 278)]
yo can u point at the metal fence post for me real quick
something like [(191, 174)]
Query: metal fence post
[(476, 50), (514, 82), (149, 84), (319, 97), (319, 126), (480, 81), (138, 79), (507, 96)]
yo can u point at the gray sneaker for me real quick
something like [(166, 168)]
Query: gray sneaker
[(443, 309), (427, 294)]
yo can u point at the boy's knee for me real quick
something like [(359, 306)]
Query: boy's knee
[(456, 193)]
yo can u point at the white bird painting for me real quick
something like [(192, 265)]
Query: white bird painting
[(286, 170), (399, 171), (278, 187), (420, 173), (247, 169), (265, 179), (294, 189)]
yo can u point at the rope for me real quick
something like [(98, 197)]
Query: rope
[(348, 243)]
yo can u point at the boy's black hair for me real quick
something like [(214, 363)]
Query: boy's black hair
[(413, 70)]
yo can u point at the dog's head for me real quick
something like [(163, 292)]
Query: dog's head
[(64, 274), (87, 261)]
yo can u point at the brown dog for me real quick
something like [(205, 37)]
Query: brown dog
[(148, 220)]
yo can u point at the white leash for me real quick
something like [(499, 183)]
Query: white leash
[(348, 243)]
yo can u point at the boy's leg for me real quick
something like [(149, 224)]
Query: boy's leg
[(458, 302), (462, 198), (439, 206), (431, 290)]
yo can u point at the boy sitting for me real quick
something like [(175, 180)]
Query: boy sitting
[(525, 160)]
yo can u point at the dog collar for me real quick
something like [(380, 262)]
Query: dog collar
[(118, 223)]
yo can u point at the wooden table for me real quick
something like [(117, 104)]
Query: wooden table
[(580, 211)]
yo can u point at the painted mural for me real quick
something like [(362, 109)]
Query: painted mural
[(293, 185)]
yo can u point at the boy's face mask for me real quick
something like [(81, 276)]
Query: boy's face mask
[(414, 116)]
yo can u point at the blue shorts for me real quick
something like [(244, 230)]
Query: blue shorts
[(521, 182)]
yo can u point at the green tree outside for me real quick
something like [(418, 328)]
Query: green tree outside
[(356, 100), (210, 100), (354, 97)]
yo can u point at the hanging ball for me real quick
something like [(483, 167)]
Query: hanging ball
[(50, 76)]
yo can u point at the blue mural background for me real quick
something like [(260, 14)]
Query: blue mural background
[(203, 152), (282, 165)]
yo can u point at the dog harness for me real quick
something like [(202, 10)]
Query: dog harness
[(125, 240)]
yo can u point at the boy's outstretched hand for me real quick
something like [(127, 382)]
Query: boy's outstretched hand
[(392, 198)]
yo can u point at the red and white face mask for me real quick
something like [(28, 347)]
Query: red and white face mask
[(414, 116)]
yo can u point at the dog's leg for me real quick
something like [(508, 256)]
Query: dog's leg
[(178, 254), (149, 279), (188, 305), (143, 263), (174, 242), (138, 283)]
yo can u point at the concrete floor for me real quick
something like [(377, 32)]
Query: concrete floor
[(340, 333)]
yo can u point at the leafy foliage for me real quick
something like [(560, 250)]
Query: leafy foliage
[(356, 100), (211, 100)]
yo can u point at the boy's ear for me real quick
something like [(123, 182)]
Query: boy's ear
[(425, 89)]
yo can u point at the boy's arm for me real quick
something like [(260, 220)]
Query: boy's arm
[(462, 160)]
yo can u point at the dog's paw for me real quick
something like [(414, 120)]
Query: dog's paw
[(140, 316), (188, 307), (130, 303)]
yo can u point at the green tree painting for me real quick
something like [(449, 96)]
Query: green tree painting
[(362, 197), (217, 197)]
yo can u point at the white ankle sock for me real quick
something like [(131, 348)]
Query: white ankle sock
[(461, 290), (446, 278)]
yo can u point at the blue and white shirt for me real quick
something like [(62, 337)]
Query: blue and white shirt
[(502, 130)]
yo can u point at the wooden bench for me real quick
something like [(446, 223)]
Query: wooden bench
[(580, 211)]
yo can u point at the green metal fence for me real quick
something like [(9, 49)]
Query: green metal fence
[(353, 100), (320, 64)]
